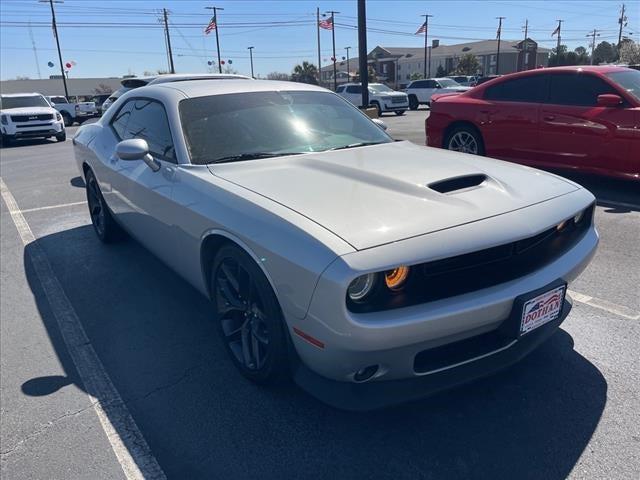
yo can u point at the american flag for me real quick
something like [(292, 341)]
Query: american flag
[(327, 23), (212, 26), (556, 31), (422, 29)]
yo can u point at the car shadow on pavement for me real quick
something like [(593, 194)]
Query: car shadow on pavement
[(156, 338), (28, 142), (77, 182)]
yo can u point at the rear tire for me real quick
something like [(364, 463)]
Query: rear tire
[(400, 112), (465, 139), (249, 317), (68, 121), (61, 137), (413, 102), (106, 228)]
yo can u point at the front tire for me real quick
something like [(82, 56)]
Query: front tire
[(66, 118), (378, 107), (61, 137), (413, 102), (465, 139), (106, 228), (249, 318), (400, 112)]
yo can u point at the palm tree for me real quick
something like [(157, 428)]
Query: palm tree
[(305, 73)]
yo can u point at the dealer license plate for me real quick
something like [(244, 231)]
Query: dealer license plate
[(542, 309)]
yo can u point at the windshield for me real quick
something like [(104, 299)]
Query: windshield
[(447, 82), (236, 126), (58, 100), (627, 79), (378, 87), (21, 102)]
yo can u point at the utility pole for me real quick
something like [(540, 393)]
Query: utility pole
[(363, 65), (593, 42), (499, 35), (622, 20), (333, 36), (348, 69), (318, 32), (525, 65), (215, 16), (55, 34), (251, 57), (559, 35), (35, 50), (166, 32), (426, 36)]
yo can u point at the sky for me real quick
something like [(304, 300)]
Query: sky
[(117, 49)]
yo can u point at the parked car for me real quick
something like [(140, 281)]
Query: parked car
[(29, 115), (583, 118), (136, 82), (420, 91), (73, 112), (465, 80), (370, 270), (99, 99), (380, 96)]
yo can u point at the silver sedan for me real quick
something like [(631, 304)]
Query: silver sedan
[(371, 271)]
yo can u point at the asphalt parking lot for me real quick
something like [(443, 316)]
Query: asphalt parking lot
[(570, 409)]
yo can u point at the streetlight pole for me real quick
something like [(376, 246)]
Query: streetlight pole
[(333, 36), (55, 34), (498, 52), (348, 69), (251, 57), (166, 32), (362, 52), (215, 16), (426, 41)]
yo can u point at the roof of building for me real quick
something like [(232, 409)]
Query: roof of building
[(477, 48), (54, 86), (354, 66)]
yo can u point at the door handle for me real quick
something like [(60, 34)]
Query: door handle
[(549, 118)]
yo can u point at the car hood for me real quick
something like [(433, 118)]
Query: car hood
[(27, 110), (461, 88), (373, 195)]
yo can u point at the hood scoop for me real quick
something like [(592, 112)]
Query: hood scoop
[(456, 184)]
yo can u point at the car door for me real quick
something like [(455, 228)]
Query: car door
[(430, 87), (508, 118), (353, 93), (576, 132), (144, 197)]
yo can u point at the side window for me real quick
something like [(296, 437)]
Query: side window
[(120, 119), (576, 89), (340, 89), (149, 121), (354, 89), (530, 89), (431, 84), (419, 84)]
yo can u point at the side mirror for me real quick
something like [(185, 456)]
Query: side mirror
[(380, 123), (136, 149), (609, 100)]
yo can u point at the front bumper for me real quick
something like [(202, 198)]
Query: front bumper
[(39, 129), (394, 107), (375, 395)]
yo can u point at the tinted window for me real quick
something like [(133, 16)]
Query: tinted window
[(430, 84), (354, 89), (418, 84), (340, 90), (120, 119), (21, 102), (59, 100), (148, 120), (529, 89), (627, 79), (576, 89)]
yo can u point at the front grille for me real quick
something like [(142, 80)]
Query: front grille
[(32, 125), (473, 271), (31, 118), (399, 100)]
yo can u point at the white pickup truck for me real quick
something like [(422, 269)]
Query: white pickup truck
[(420, 91), (29, 115), (73, 112)]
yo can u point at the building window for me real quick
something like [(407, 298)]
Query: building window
[(384, 68)]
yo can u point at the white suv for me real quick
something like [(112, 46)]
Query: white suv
[(380, 96), (420, 91), (29, 115)]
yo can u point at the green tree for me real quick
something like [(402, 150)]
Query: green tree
[(102, 88), (277, 76), (467, 65), (415, 76), (605, 52), (563, 57), (305, 73), (371, 74), (441, 72)]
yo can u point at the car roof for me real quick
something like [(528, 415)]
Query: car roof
[(203, 88), (177, 77), (29, 94)]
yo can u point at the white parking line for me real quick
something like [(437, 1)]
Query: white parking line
[(49, 207), (605, 305), (128, 444)]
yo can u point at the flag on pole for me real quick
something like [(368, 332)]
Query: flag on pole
[(326, 23), (556, 31), (422, 29), (212, 26)]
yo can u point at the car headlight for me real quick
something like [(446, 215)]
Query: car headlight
[(396, 278), (58, 116), (362, 286), (578, 217), (4, 120)]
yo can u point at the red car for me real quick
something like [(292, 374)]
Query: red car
[(585, 118)]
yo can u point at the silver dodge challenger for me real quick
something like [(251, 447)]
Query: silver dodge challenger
[(369, 270)]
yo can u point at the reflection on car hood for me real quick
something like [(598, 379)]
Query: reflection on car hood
[(374, 195), (27, 110)]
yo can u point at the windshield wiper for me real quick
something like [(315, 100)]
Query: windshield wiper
[(251, 156), (354, 145)]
